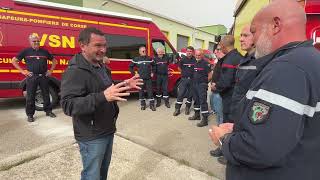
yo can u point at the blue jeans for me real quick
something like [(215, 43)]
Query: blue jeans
[(96, 157), (216, 105)]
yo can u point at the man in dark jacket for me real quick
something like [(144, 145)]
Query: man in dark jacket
[(215, 98), (145, 67), (226, 82), (161, 71), (276, 136), (89, 96), (247, 71)]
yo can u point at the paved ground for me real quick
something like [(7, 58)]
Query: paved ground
[(149, 145)]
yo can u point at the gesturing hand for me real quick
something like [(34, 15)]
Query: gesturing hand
[(27, 73), (116, 92), (134, 82), (49, 72)]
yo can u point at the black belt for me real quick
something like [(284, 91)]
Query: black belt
[(37, 74), (186, 77)]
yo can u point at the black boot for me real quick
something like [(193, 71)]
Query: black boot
[(187, 112), (222, 160), (176, 112), (203, 122), (143, 105), (30, 119), (158, 102), (51, 114), (196, 116), (166, 102), (152, 107), (216, 153)]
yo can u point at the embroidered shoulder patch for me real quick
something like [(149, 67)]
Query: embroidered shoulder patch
[(259, 113)]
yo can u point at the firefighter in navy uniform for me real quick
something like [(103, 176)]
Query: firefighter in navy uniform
[(247, 71), (37, 75), (201, 77), (186, 66), (278, 133), (161, 71), (226, 82), (145, 67)]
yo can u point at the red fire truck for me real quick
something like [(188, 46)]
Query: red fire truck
[(312, 9), (58, 27)]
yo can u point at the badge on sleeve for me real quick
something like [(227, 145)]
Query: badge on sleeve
[(259, 113)]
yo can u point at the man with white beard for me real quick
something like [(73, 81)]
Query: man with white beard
[(278, 133)]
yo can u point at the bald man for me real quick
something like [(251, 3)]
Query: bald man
[(277, 136), (201, 76), (224, 86), (161, 70)]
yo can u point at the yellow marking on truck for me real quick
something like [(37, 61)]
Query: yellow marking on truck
[(55, 39), (120, 72), (124, 26), (148, 31), (79, 20), (17, 71), (4, 70), (14, 71), (175, 72), (58, 71)]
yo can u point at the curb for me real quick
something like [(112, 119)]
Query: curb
[(15, 160)]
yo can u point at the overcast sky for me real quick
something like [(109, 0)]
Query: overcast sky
[(193, 12)]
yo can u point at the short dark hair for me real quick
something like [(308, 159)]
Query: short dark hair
[(85, 34), (190, 48), (142, 47)]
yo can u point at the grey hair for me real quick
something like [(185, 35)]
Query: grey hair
[(33, 35)]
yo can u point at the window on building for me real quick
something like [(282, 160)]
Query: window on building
[(182, 42), (198, 43), (123, 46)]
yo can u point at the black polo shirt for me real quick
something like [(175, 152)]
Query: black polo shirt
[(162, 65), (187, 67), (201, 71), (36, 60)]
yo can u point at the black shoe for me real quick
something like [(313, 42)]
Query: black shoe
[(30, 119), (143, 107), (50, 114), (176, 112), (167, 104), (158, 102), (222, 160), (196, 116), (203, 122), (152, 107), (187, 112), (216, 153)]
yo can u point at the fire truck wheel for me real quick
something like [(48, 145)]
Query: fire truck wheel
[(54, 98)]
